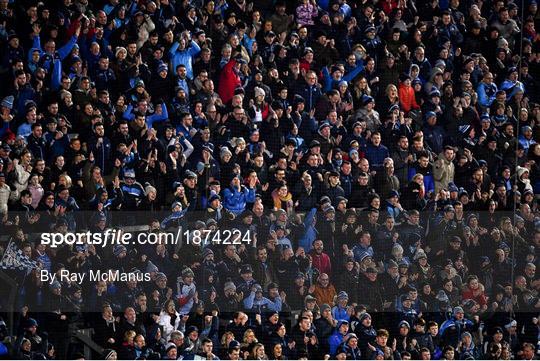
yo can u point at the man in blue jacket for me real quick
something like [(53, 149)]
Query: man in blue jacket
[(311, 92), (486, 91), (452, 329), (100, 146), (376, 153), (50, 58), (511, 85), (237, 195), (339, 311), (36, 142), (434, 134), (182, 53), (337, 337)]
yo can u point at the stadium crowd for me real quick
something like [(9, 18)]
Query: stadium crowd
[(376, 162)]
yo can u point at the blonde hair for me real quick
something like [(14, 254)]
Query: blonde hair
[(238, 141), (397, 249), (389, 87), (129, 334), (224, 338), (64, 94), (417, 176), (69, 182), (255, 349), (248, 332)]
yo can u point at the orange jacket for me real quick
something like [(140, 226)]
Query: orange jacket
[(407, 99), (324, 295)]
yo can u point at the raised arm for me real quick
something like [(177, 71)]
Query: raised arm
[(158, 117), (64, 51), (173, 48), (248, 301), (56, 74), (37, 43), (327, 79), (128, 114), (353, 73), (194, 49)]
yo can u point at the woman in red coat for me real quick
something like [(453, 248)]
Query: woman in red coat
[(407, 97), (229, 79), (474, 290)]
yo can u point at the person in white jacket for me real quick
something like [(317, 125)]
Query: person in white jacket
[(186, 291), (23, 168), (170, 320)]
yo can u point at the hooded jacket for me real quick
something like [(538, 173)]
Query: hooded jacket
[(452, 329), (168, 324), (523, 184), (335, 339)]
